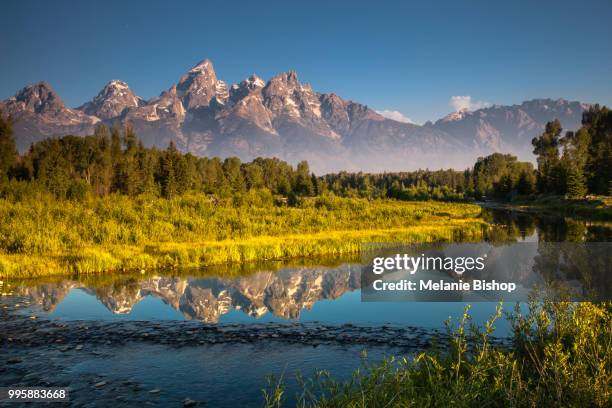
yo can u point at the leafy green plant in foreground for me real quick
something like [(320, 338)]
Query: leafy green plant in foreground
[(561, 355)]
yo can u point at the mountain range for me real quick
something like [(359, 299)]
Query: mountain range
[(285, 118), (285, 293)]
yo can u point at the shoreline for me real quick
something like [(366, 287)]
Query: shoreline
[(20, 330), (583, 210), (101, 259)]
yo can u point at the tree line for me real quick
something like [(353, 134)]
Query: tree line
[(497, 176), (115, 161), (577, 163), (573, 165)]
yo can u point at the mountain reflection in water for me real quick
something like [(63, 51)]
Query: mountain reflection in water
[(286, 290), (283, 293)]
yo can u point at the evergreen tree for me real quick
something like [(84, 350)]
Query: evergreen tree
[(115, 143), (146, 163), (597, 121), (168, 176), (526, 183), (130, 140), (576, 183), (315, 185), (546, 148), (101, 161), (8, 149), (129, 176), (101, 132)]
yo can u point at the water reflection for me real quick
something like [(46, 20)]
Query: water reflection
[(283, 293), (286, 291), (511, 226)]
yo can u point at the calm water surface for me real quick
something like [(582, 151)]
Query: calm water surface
[(324, 290), (317, 290)]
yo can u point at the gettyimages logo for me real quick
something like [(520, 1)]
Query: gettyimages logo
[(487, 272), (412, 264), (404, 263)]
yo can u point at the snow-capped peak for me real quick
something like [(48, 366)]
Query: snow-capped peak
[(255, 81), (117, 84), (199, 85), (112, 100), (246, 86), (204, 65), (458, 115)]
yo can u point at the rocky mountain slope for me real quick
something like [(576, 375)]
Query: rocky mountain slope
[(112, 100), (509, 128), (38, 112), (288, 119)]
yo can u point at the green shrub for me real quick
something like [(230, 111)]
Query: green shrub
[(561, 356)]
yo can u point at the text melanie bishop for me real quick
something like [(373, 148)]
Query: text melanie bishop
[(431, 285)]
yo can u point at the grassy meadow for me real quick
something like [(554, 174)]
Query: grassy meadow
[(40, 235)]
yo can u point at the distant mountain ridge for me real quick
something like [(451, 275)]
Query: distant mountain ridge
[(510, 128), (287, 119)]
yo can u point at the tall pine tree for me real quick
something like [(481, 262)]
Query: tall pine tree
[(546, 148), (576, 183), (8, 150)]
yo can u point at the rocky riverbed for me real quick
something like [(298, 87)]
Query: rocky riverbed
[(40, 352)]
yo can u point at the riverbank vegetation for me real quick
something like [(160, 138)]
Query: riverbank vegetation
[(592, 208), (42, 235), (561, 355), (106, 202)]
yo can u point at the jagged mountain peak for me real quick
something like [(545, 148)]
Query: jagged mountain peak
[(254, 81), (332, 98), (203, 66), (170, 91), (510, 127), (200, 85), (286, 97), (116, 84), (544, 101), (112, 101), (289, 78), (36, 87), (245, 87), (457, 115), (286, 119), (39, 112), (39, 98), (546, 105), (163, 107)]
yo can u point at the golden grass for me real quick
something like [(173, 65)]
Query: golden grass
[(220, 235)]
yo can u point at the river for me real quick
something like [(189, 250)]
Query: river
[(166, 336)]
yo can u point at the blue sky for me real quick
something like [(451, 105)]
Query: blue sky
[(401, 56)]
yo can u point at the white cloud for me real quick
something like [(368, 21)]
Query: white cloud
[(465, 103), (395, 115)]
